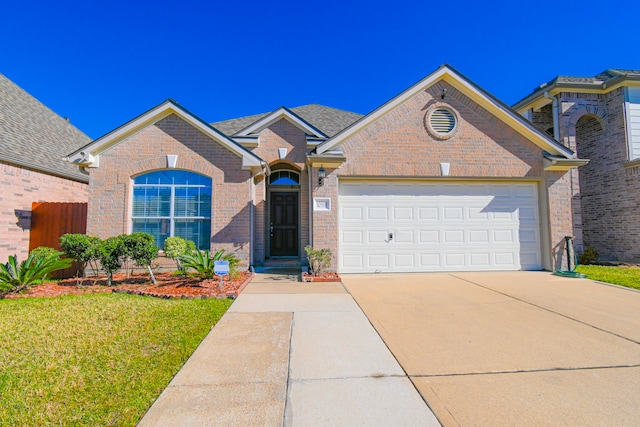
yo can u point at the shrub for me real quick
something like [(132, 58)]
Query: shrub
[(319, 259), (203, 262), (176, 247), (112, 254), (141, 249), (44, 252), (15, 277), (589, 256), (83, 249)]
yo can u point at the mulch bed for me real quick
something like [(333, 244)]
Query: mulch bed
[(169, 286)]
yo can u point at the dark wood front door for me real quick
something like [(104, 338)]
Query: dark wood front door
[(284, 224)]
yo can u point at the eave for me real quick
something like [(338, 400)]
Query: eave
[(328, 160), (537, 99), (469, 89), (555, 163), (252, 131), (89, 155)]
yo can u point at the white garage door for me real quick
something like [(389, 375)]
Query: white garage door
[(403, 226)]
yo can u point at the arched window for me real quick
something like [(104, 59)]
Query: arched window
[(173, 203), (284, 177)]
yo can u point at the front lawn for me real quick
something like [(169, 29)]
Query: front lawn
[(624, 276), (99, 359)]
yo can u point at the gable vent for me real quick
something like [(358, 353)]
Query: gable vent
[(442, 121)]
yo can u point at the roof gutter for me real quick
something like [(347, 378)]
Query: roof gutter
[(556, 163), (556, 121)]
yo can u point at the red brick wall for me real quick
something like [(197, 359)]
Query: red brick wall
[(145, 151), (21, 187), (281, 134), (606, 192), (399, 145)]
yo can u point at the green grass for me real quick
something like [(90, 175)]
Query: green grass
[(94, 360), (624, 276)]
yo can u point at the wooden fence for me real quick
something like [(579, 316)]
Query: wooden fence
[(49, 221)]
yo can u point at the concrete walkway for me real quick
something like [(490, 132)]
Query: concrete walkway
[(521, 348), (291, 354)]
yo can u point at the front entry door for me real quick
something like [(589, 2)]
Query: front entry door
[(284, 224)]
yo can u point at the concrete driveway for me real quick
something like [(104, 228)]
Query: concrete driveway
[(520, 348)]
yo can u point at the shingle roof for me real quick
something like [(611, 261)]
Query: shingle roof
[(328, 120), (600, 81), (33, 136)]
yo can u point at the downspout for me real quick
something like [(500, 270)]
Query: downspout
[(265, 171), (556, 119), (310, 175)]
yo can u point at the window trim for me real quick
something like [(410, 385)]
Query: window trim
[(172, 199)]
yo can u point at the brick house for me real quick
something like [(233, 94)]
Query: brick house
[(443, 177), (598, 118), (33, 142)]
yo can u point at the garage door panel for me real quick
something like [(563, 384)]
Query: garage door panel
[(428, 213), (377, 213), (404, 260), (351, 213), (478, 236), (504, 259), (428, 236), (403, 236), (405, 213), (438, 226)]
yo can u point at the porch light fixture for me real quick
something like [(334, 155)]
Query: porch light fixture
[(444, 92), (321, 175)]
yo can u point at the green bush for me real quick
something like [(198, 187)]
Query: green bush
[(15, 277), (203, 262), (589, 256), (112, 254), (83, 249), (141, 249), (176, 247), (44, 252), (319, 259)]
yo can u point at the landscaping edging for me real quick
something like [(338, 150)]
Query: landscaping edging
[(228, 294), (328, 277)]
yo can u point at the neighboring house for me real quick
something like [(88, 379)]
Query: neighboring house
[(443, 177), (598, 118), (33, 142)]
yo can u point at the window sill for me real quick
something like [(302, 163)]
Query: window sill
[(632, 163)]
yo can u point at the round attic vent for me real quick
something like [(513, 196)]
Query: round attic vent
[(442, 121)]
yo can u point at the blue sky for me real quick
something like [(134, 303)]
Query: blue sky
[(104, 63)]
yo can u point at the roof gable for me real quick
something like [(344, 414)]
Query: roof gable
[(328, 120), (468, 88), (604, 82), (88, 156), (33, 136), (282, 113)]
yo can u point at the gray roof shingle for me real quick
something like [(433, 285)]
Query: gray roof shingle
[(33, 136), (599, 81), (328, 120)]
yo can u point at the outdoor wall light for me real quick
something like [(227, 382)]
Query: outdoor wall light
[(444, 92), (321, 175)]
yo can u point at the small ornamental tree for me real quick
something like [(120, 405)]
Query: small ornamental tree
[(83, 249), (112, 254), (176, 247), (141, 249), (319, 259)]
